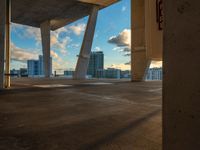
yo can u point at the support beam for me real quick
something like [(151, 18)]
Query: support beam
[(2, 40), (8, 53), (139, 60), (84, 56), (46, 45)]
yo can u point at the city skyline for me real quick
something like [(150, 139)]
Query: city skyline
[(96, 69), (112, 36)]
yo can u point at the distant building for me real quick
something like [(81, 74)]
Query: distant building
[(36, 67), (23, 72), (41, 67), (33, 67), (125, 74), (112, 73), (69, 73), (14, 73), (96, 62), (154, 74), (100, 73)]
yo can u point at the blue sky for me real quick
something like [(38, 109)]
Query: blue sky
[(113, 27)]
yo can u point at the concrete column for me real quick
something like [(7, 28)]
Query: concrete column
[(84, 56), (139, 60), (46, 45), (2, 40), (8, 53), (181, 84)]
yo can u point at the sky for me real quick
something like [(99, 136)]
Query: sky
[(112, 36)]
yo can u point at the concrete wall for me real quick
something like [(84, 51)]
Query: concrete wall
[(147, 41), (154, 36), (139, 61), (181, 86)]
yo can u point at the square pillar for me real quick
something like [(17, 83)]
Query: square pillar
[(5, 20), (139, 61), (8, 53)]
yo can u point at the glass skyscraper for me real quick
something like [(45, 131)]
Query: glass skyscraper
[(96, 63), (36, 67)]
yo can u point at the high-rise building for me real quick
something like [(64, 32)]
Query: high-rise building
[(112, 73), (33, 67), (36, 67), (154, 74), (96, 62)]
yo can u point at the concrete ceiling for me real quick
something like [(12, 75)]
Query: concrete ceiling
[(59, 12), (99, 2)]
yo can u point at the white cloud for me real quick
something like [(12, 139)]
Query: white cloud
[(60, 44), (59, 31), (22, 55), (122, 41), (60, 65), (54, 54), (120, 66), (27, 32), (97, 49), (31, 32), (78, 29), (156, 64), (75, 45)]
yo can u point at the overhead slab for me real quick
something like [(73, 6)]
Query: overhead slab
[(59, 12)]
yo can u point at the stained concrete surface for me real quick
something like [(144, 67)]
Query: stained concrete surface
[(117, 116), (181, 86), (59, 12)]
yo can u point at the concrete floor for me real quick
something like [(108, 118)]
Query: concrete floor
[(83, 116)]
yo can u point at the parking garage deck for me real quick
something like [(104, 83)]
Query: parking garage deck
[(85, 115)]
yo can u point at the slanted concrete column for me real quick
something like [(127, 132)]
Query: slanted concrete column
[(84, 56), (139, 60), (2, 40), (181, 84), (46, 45)]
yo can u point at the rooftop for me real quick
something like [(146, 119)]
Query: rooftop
[(49, 114)]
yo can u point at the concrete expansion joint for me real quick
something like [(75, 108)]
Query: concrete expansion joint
[(139, 48), (136, 51)]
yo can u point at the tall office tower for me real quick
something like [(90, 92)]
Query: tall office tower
[(36, 67), (41, 65), (33, 67), (96, 62), (154, 74)]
